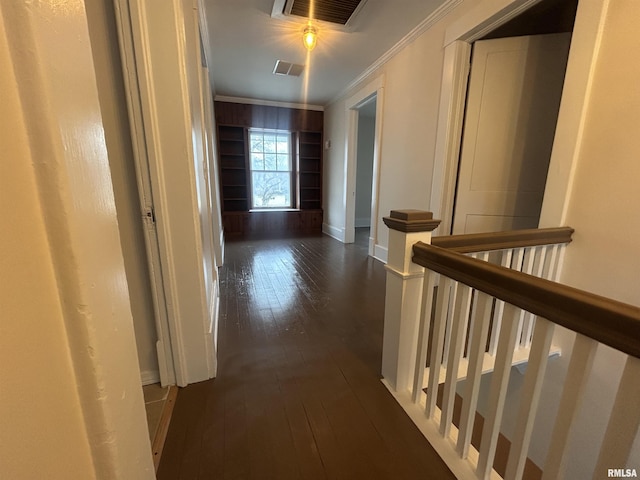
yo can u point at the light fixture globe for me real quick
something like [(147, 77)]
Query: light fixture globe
[(310, 37)]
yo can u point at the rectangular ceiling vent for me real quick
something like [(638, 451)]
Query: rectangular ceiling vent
[(288, 68), (339, 12)]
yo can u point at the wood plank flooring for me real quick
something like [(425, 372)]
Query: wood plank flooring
[(298, 393)]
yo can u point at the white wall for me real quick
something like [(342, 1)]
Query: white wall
[(106, 55), (333, 180), (604, 208), (33, 340), (71, 403), (364, 171), (412, 96)]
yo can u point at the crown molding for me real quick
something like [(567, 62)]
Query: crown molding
[(435, 16)]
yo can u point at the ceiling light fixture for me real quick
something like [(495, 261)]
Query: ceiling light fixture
[(310, 37)]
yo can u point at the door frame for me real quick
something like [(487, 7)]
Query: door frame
[(373, 89), (169, 369), (185, 325), (459, 37), (524, 197)]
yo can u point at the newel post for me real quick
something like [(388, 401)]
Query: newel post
[(403, 295)]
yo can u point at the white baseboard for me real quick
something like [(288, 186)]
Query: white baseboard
[(334, 232), (381, 253), (149, 377), (221, 247), (212, 334), (363, 222)]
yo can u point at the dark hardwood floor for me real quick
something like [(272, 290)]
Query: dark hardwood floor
[(298, 392)]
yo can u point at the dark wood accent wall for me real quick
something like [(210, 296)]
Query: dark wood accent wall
[(263, 116), (276, 224), (233, 120)]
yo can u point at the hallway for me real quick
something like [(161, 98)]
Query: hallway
[(298, 392)]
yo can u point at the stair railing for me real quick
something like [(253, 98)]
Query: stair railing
[(464, 316)]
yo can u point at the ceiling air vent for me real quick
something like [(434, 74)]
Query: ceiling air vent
[(339, 12), (288, 68)]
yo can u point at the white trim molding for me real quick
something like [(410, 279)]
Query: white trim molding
[(374, 89), (433, 18), (333, 232), (380, 253), (268, 103), (453, 96), (149, 377)]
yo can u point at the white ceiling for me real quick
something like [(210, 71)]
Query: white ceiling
[(246, 42)]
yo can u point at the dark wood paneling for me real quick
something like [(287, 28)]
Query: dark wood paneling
[(272, 224), (233, 120), (263, 116)]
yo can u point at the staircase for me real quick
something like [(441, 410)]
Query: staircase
[(463, 306)]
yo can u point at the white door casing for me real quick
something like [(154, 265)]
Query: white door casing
[(514, 94), (164, 57), (164, 351), (364, 95)]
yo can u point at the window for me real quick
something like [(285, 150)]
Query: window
[(271, 171)]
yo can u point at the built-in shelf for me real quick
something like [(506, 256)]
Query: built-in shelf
[(235, 174), (309, 150), (233, 168)]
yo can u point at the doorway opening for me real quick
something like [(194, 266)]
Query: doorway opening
[(533, 18), (364, 168), (511, 110)]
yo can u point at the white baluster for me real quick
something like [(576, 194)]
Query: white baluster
[(507, 256), (623, 423), (555, 275), (498, 391), (529, 398), (477, 346), (550, 263), (459, 320), (530, 318), (437, 341), (582, 356), (527, 267), (540, 260), (423, 333), (447, 333), (516, 259), (484, 256)]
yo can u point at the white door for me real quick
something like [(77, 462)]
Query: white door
[(512, 107)]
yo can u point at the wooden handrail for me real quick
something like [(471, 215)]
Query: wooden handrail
[(608, 321), (482, 242)]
